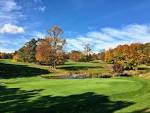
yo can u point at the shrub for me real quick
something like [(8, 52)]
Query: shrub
[(130, 65), (118, 68)]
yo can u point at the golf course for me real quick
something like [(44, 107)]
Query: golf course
[(74, 56), (26, 91)]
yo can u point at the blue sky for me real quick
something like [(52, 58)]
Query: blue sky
[(103, 23)]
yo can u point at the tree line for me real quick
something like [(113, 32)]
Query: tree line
[(81, 56), (129, 56), (4, 55), (50, 51)]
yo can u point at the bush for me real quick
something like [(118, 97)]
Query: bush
[(118, 68), (130, 65)]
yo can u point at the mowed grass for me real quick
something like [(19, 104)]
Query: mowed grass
[(38, 95), (32, 69)]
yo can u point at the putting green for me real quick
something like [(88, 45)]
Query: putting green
[(132, 90)]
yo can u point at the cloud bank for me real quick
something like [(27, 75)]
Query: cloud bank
[(109, 37)]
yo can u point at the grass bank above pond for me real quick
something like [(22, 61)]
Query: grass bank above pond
[(19, 69)]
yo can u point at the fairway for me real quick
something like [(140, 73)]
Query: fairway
[(97, 95)]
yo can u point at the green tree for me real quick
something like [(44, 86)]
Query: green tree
[(27, 52), (30, 50)]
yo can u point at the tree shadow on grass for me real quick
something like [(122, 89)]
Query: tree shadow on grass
[(76, 68), (15, 100), (145, 110), (13, 70)]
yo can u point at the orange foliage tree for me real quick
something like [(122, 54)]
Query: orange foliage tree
[(44, 52), (128, 55), (75, 55)]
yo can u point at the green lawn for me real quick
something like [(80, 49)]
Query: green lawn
[(29, 69), (34, 94)]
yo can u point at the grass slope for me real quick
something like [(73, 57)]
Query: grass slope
[(8, 67), (39, 95)]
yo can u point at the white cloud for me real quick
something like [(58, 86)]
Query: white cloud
[(111, 37), (9, 5), (10, 12), (37, 35), (12, 29), (6, 50)]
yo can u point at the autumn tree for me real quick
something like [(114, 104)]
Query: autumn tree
[(49, 50), (57, 44), (16, 56), (87, 51), (19, 55), (109, 56), (134, 56), (128, 55), (44, 51), (75, 55), (146, 52)]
